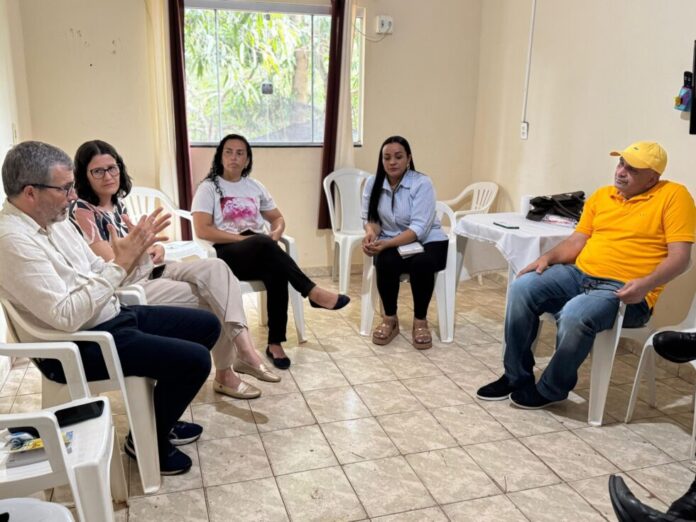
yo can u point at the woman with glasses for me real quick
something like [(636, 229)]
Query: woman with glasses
[(101, 181), (398, 208), (231, 210)]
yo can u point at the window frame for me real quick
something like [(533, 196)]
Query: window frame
[(284, 8)]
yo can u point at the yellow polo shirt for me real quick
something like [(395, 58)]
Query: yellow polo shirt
[(628, 238)]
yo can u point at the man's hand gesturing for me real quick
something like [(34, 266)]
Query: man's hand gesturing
[(141, 236)]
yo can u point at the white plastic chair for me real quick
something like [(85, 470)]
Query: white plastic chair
[(143, 201), (85, 469), (647, 364), (445, 285), (603, 353), (92, 468), (257, 286), (346, 222), (482, 195), (32, 510), (137, 392)]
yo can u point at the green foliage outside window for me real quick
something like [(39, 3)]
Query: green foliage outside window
[(232, 57)]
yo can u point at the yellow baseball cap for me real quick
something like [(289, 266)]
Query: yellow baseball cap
[(644, 155)]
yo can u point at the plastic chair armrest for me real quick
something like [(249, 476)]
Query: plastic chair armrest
[(132, 295), (207, 246), (290, 245), (184, 214), (103, 339), (46, 424), (457, 199), (67, 353), (461, 213)]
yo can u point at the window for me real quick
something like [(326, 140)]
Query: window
[(261, 74)]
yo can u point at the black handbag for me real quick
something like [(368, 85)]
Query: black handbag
[(568, 205)]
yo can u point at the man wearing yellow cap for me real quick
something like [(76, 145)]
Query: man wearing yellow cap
[(632, 238)]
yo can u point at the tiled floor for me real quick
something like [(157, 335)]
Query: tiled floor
[(360, 432)]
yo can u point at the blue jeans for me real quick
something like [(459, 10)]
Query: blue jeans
[(582, 306)]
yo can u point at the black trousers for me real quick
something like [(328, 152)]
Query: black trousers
[(259, 257), (168, 344), (421, 269)]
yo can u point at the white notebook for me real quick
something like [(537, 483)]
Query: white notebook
[(411, 249)]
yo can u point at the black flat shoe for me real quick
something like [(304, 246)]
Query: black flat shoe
[(282, 363), (342, 301)]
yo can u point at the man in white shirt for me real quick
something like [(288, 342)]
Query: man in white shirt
[(52, 277)]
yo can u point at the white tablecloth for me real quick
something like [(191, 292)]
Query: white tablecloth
[(519, 246)]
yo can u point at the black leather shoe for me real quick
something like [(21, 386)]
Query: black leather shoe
[(678, 347), (685, 506), (629, 509)]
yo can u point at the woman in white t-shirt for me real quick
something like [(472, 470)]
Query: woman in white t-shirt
[(231, 210)]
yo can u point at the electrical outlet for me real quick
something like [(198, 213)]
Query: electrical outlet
[(524, 130), (385, 24)]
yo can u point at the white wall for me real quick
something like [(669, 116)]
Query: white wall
[(422, 82), (7, 118), (87, 71), (604, 74), (14, 124), (14, 119), (6, 123)]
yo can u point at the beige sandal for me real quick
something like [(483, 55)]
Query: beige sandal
[(385, 332), (422, 339)]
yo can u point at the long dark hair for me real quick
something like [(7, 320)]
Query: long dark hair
[(216, 169), (83, 156), (372, 214)]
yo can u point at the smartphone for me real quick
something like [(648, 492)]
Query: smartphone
[(157, 272), (505, 225), (25, 429), (67, 416), (82, 412)]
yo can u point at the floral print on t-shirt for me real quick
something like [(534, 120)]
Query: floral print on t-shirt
[(239, 213)]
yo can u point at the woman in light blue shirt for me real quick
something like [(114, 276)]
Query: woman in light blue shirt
[(398, 208)]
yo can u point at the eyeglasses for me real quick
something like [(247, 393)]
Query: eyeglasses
[(67, 188), (99, 173)]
